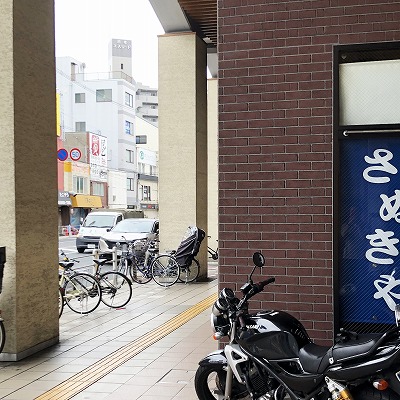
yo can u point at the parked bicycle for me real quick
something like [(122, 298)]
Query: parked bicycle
[(116, 289), (136, 258), (213, 253), (80, 291), (144, 263), (184, 255)]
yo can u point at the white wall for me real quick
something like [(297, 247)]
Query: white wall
[(117, 189)]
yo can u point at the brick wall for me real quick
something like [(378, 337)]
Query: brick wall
[(275, 143)]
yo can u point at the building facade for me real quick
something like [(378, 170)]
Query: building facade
[(104, 106), (307, 100)]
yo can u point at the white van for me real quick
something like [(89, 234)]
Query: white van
[(99, 222)]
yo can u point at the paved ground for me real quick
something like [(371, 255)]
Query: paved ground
[(148, 350)]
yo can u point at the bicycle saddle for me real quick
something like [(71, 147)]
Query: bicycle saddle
[(65, 264), (100, 262)]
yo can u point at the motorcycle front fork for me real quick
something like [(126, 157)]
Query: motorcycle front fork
[(228, 383)]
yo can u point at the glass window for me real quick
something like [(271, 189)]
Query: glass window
[(130, 156), (135, 225), (130, 184), (98, 189), (79, 184), (141, 139), (79, 97), (128, 128), (153, 170), (80, 126), (128, 99), (103, 95), (361, 84), (146, 193), (99, 221)]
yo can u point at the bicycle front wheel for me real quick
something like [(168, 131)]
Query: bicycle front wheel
[(2, 335), (140, 273), (189, 273), (165, 270), (60, 302), (116, 289), (82, 293)]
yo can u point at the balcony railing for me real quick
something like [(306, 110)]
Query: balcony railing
[(104, 76)]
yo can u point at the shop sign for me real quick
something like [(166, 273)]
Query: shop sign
[(63, 198), (149, 206), (369, 258)]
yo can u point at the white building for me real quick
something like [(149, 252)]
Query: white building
[(147, 103), (105, 104), (147, 166)]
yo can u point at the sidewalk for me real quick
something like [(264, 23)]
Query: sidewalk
[(148, 350)]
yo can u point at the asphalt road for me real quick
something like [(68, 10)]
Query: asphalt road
[(83, 260)]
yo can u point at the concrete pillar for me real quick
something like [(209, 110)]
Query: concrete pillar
[(212, 139), (28, 177), (183, 139)]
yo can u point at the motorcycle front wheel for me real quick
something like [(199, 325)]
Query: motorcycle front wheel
[(209, 384)]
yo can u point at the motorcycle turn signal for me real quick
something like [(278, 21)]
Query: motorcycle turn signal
[(380, 384)]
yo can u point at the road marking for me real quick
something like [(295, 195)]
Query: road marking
[(90, 375)]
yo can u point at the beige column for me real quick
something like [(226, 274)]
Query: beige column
[(182, 139), (28, 177), (212, 110)]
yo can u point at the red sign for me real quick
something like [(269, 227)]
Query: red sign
[(75, 154)]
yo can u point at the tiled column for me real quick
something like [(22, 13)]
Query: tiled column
[(28, 176), (182, 139)]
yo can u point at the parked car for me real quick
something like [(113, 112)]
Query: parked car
[(99, 222), (127, 231)]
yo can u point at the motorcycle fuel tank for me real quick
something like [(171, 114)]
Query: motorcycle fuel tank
[(273, 335)]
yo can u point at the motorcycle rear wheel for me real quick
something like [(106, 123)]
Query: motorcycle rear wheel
[(209, 382), (369, 393)]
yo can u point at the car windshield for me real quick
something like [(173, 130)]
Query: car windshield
[(99, 221), (132, 225)]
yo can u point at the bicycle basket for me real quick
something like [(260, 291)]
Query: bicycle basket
[(140, 246)]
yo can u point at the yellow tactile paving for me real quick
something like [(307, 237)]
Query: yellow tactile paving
[(77, 383)]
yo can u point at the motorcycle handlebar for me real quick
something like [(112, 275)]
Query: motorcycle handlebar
[(265, 283), (257, 288)]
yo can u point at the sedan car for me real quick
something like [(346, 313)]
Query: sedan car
[(126, 231)]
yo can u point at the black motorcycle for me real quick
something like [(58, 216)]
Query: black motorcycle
[(271, 356)]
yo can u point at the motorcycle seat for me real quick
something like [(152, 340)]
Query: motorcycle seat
[(316, 359), (312, 355)]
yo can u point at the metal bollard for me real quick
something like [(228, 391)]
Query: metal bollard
[(95, 254), (114, 258), (2, 262)]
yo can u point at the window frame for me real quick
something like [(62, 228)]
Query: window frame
[(103, 98)]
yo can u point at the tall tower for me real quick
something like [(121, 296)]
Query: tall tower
[(120, 57)]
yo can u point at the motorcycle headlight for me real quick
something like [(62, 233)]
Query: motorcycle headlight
[(227, 294), (220, 307)]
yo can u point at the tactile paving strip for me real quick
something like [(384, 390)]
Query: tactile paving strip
[(77, 383)]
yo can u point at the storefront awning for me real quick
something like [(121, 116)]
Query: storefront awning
[(86, 201)]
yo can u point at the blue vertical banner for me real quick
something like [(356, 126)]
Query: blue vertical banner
[(369, 245)]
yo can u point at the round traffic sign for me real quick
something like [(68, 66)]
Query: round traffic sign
[(62, 154), (75, 154)]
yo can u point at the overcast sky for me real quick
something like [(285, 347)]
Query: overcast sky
[(84, 29)]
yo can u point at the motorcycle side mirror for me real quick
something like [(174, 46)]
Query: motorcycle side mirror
[(258, 259)]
